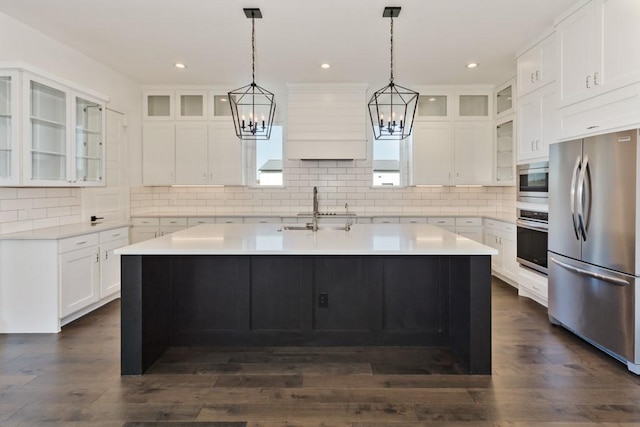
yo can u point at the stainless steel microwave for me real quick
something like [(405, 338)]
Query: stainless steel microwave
[(533, 182)]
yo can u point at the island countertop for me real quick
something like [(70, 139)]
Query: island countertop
[(271, 239)]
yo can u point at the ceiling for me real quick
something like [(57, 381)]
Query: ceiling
[(433, 39)]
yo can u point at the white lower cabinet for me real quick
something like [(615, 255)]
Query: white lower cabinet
[(79, 279), (471, 228), (47, 283), (532, 285), (502, 237)]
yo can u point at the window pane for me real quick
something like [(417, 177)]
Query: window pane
[(386, 162), (269, 159)]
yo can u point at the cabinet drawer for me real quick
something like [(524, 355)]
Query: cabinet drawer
[(145, 222), (77, 242), (228, 220), (413, 220), (468, 222), (385, 220), (115, 234), (192, 222), (442, 221), (173, 222), (262, 220)]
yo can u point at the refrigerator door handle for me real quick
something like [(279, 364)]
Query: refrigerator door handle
[(582, 225), (572, 198), (610, 279)]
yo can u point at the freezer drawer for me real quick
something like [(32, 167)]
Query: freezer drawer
[(595, 303)]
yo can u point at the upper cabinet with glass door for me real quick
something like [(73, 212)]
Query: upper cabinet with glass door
[(474, 104), (46, 135), (191, 105), (9, 132), (220, 107), (434, 105), (89, 147), (505, 99), (158, 104), (63, 135)]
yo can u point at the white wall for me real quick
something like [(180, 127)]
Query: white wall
[(21, 209)]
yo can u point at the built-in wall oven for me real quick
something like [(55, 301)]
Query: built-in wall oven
[(533, 183), (533, 230)]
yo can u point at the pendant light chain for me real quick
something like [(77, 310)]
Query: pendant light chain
[(391, 79), (253, 49)]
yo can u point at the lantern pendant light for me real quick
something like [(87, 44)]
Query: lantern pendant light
[(252, 107), (392, 108)]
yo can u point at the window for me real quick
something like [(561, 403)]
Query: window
[(388, 157), (264, 160)]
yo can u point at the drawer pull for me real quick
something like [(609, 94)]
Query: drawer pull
[(81, 243), (115, 235)]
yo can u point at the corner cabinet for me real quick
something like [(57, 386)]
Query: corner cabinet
[(58, 132)]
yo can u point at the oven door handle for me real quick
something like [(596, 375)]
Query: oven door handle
[(532, 225), (572, 197), (610, 279)]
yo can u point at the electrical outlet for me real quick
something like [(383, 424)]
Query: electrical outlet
[(323, 300)]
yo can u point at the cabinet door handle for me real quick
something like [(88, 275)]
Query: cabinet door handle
[(595, 78), (97, 257), (533, 143), (537, 144), (588, 82), (537, 75), (533, 78), (106, 255)]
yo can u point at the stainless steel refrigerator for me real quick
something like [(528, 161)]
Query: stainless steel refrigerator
[(593, 229)]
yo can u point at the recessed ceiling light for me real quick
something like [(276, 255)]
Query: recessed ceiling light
[(180, 65), (325, 65), (472, 65)]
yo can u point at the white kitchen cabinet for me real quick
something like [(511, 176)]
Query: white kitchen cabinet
[(532, 285), (171, 225), (385, 220), (471, 228), (9, 128), (226, 154), (452, 153), (504, 98), (110, 262), (474, 104), (149, 228), (158, 153), (435, 105), (448, 223), (598, 49), (502, 236), (192, 222), (413, 220), (536, 67), (505, 153), (47, 282), (229, 220), (63, 133), (537, 124), (191, 105), (474, 153), (158, 104), (80, 279), (191, 153), (432, 153)]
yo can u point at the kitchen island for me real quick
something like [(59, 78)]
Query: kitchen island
[(262, 285)]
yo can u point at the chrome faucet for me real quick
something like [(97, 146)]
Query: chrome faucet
[(349, 223), (314, 224)]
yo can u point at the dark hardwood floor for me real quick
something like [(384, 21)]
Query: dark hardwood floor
[(542, 376)]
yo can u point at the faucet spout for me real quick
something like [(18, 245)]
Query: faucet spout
[(314, 224)]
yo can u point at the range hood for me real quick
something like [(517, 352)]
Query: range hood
[(327, 121)]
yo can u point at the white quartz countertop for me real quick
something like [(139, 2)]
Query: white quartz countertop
[(64, 231), (268, 239)]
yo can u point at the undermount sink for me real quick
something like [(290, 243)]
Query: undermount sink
[(309, 228)]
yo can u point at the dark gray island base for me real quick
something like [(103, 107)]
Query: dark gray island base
[(273, 300)]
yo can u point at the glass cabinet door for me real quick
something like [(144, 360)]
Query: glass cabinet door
[(504, 100), (89, 146), (48, 132), (505, 152), (191, 105), (8, 129)]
